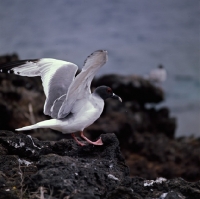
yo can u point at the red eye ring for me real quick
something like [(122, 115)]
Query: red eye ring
[(109, 90)]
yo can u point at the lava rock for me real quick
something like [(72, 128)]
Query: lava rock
[(8, 58), (30, 168), (63, 165), (132, 88)]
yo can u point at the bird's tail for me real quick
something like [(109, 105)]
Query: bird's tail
[(44, 124), (26, 128)]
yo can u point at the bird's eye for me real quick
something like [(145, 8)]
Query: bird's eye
[(109, 90)]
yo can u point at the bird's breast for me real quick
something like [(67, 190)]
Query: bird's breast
[(84, 113), (88, 111)]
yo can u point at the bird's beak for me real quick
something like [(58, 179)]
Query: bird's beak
[(116, 97)]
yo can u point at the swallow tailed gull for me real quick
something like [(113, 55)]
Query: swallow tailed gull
[(158, 75), (69, 100)]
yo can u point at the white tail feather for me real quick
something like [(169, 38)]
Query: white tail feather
[(44, 124), (26, 128)]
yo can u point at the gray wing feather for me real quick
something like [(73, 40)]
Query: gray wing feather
[(57, 85), (56, 75), (80, 87), (56, 106)]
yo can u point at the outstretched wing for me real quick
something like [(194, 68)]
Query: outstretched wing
[(56, 77), (80, 87)]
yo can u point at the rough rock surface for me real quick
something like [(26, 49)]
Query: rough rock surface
[(30, 168), (62, 166)]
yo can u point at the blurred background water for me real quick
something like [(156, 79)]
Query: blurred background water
[(139, 35)]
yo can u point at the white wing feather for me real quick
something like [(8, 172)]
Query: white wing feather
[(56, 75)]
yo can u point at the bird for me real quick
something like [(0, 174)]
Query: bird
[(69, 100), (158, 75)]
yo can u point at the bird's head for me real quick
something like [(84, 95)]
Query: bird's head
[(106, 92)]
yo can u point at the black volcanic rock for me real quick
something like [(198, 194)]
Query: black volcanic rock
[(8, 58), (30, 168), (132, 88), (63, 165)]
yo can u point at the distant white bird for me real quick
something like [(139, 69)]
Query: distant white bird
[(68, 98), (158, 75)]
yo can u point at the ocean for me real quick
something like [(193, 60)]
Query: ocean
[(139, 36)]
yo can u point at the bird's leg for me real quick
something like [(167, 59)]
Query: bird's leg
[(79, 143), (98, 142)]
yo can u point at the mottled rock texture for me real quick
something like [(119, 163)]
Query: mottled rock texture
[(62, 169)]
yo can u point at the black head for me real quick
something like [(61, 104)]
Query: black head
[(106, 92)]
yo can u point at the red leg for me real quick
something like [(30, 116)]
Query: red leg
[(98, 142), (79, 143)]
